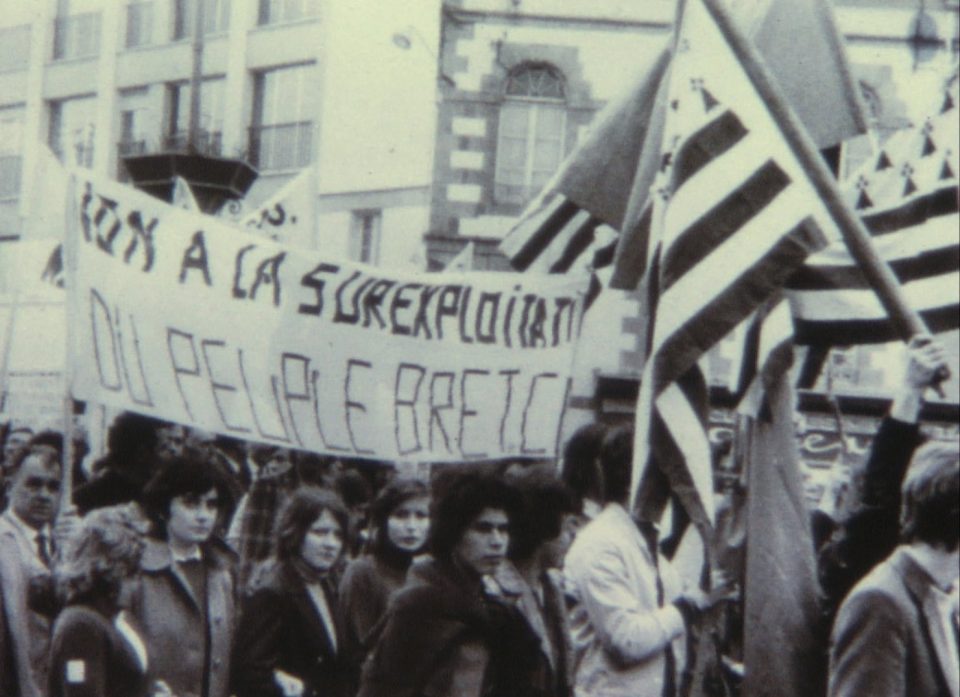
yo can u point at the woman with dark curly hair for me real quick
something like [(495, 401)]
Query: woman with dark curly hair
[(400, 518), (290, 639), (95, 652)]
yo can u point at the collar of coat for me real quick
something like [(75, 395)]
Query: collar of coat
[(157, 556), (915, 577)]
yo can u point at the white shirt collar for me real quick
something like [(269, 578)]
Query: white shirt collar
[(193, 555)]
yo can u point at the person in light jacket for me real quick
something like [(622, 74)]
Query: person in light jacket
[(632, 610), (184, 596)]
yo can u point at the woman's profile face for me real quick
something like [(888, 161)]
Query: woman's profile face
[(323, 543), (408, 524)]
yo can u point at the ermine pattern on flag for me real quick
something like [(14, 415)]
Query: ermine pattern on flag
[(907, 196), (734, 215)]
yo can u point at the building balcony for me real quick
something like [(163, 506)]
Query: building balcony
[(213, 178), (281, 146), (128, 148), (206, 143), (76, 36), (131, 147)]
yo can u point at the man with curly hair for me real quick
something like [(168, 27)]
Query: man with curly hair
[(445, 633)]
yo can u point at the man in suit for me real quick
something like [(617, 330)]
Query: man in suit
[(896, 632), (26, 540)]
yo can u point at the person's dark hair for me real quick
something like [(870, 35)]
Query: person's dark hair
[(353, 488), (398, 491), (131, 433), (49, 437), (930, 506), (300, 512), (460, 494), (581, 467), (261, 453), (49, 455), (183, 475), (544, 501), (105, 551), (616, 461), (312, 468)]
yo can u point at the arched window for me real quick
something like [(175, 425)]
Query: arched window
[(530, 143)]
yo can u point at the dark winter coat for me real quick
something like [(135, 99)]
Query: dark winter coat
[(90, 658), (444, 635), (365, 590), (184, 651), (281, 629)]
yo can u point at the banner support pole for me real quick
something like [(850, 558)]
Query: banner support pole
[(69, 285)]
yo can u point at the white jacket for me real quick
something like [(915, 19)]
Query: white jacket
[(620, 631)]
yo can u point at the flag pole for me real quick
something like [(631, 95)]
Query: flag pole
[(69, 285), (882, 280)]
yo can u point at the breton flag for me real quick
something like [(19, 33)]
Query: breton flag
[(767, 352), (734, 214), (907, 196), (556, 236), (559, 230)]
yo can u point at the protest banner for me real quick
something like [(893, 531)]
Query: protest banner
[(181, 316)]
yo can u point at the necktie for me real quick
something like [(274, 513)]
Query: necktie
[(43, 548)]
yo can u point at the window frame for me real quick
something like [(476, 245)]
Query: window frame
[(287, 128), (535, 106), (366, 235)]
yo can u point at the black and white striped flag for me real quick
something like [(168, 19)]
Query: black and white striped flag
[(734, 215), (907, 196)]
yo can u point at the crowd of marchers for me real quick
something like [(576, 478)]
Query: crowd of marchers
[(183, 564)]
